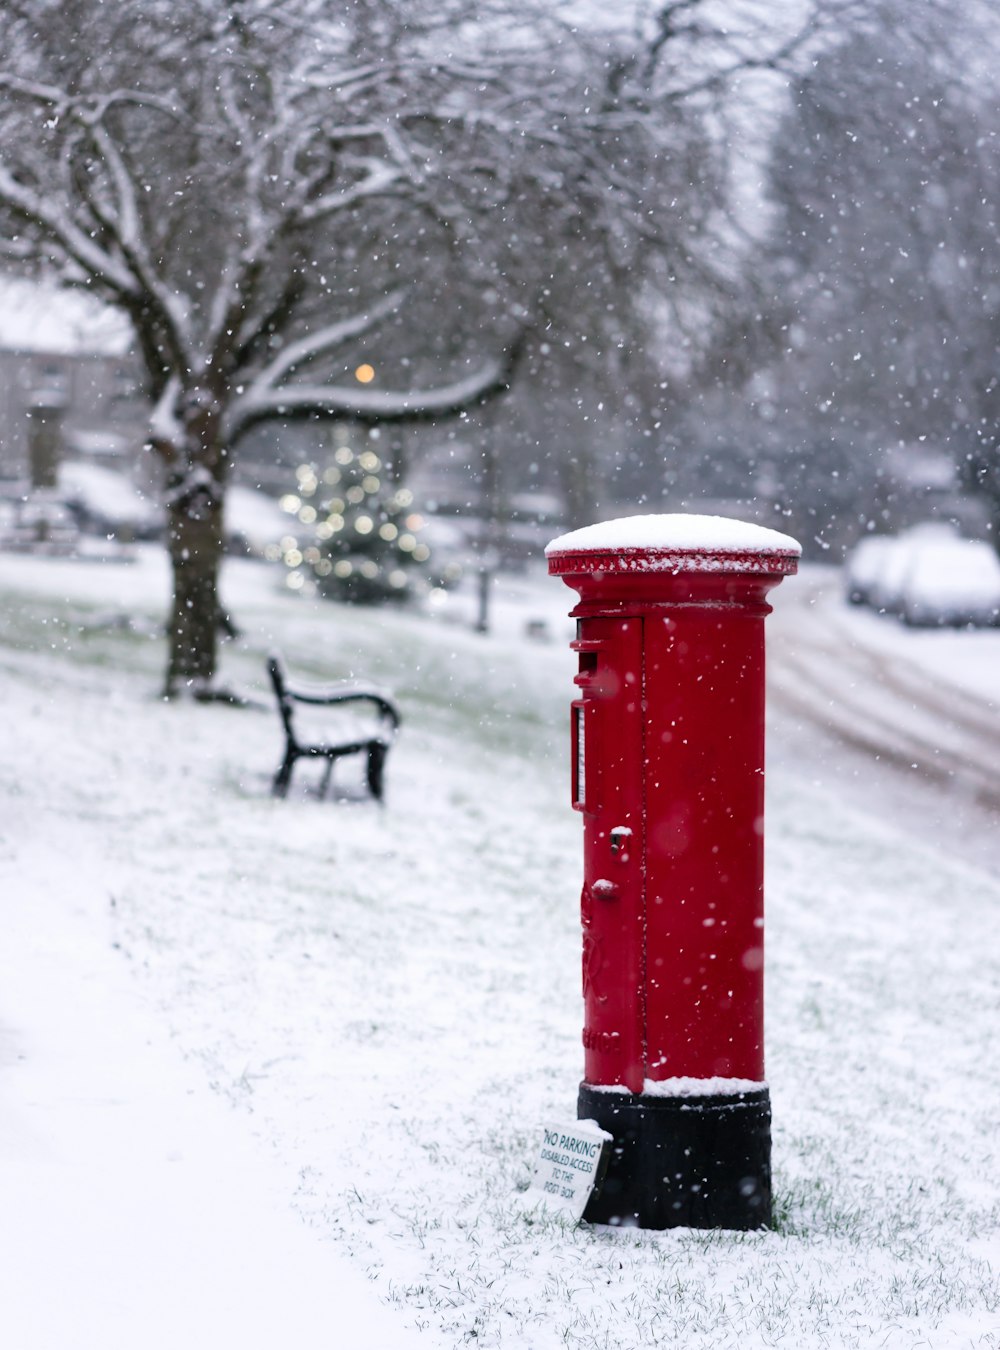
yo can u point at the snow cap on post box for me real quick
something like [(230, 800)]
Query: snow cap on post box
[(673, 544)]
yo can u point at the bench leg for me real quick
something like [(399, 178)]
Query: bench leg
[(327, 775), (279, 788), (376, 768)]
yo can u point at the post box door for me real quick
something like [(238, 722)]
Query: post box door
[(703, 865), (607, 758)]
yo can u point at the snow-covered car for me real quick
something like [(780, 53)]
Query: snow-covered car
[(896, 560), (863, 566), (951, 583), (108, 503), (41, 524)]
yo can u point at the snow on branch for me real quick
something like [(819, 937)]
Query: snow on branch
[(79, 246), (32, 89), (192, 481), (88, 109), (380, 178), (124, 225), (324, 341), (120, 261), (165, 429), (370, 405)]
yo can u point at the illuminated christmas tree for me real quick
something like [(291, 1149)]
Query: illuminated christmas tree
[(356, 536)]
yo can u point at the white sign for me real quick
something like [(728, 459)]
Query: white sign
[(570, 1163)]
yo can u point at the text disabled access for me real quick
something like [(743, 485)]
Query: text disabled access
[(569, 1167)]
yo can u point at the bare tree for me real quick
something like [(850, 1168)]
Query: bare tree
[(259, 185)]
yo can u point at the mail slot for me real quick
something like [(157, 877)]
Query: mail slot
[(667, 754)]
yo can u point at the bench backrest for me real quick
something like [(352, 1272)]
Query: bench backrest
[(342, 693)]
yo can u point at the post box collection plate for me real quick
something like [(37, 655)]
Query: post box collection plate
[(668, 760)]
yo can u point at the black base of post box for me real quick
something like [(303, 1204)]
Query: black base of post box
[(683, 1162)]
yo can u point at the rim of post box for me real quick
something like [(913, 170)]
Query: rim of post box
[(678, 543), (672, 559)]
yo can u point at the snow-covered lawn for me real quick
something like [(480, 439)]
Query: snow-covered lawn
[(387, 1005)]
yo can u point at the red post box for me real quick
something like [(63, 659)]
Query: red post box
[(668, 773)]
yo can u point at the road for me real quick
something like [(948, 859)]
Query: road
[(854, 705)]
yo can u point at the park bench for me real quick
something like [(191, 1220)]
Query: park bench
[(373, 742)]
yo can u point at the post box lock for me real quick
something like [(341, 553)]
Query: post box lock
[(620, 836)]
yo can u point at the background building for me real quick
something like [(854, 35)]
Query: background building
[(62, 353)]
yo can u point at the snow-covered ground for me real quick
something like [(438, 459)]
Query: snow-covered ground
[(271, 1073)]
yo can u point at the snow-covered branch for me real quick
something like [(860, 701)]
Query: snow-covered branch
[(90, 109), (165, 430), (56, 222), (34, 91), (371, 405), (380, 178), (126, 228), (115, 255), (325, 340)]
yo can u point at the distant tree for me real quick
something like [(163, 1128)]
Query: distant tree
[(262, 186), (884, 254)]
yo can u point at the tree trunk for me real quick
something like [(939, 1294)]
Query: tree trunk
[(979, 471), (195, 544), (394, 460), (581, 485), (994, 523)]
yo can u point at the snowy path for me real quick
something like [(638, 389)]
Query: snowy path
[(827, 665), (908, 721), (136, 1210), (134, 1215)]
